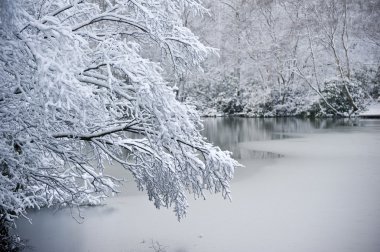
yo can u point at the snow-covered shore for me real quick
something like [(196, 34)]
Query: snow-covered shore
[(373, 111)]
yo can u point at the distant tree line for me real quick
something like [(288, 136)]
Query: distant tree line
[(288, 57)]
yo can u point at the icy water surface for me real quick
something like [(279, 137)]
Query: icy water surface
[(306, 186)]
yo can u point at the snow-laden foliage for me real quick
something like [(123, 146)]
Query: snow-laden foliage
[(280, 54), (334, 93), (77, 93)]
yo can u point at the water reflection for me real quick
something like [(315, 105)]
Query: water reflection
[(227, 133)]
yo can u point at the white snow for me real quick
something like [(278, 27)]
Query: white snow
[(373, 110)]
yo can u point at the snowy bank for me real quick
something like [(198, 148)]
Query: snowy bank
[(373, 111)]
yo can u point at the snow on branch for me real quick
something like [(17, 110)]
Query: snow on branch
[(69, 103)]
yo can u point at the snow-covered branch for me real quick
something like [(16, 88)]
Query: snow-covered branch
[(70, 103)]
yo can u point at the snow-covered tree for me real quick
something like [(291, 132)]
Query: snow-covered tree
[(78, 90), (278, 57)]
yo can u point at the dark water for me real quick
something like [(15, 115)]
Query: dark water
[(307, 185), (227, 133)]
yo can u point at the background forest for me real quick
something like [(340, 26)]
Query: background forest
[(286, 58)]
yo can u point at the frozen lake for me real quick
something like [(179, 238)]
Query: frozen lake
[(306, 186)]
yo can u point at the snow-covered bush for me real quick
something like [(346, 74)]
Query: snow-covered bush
[(214, 93), (272, 102), (335, 94), (369, 80)]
